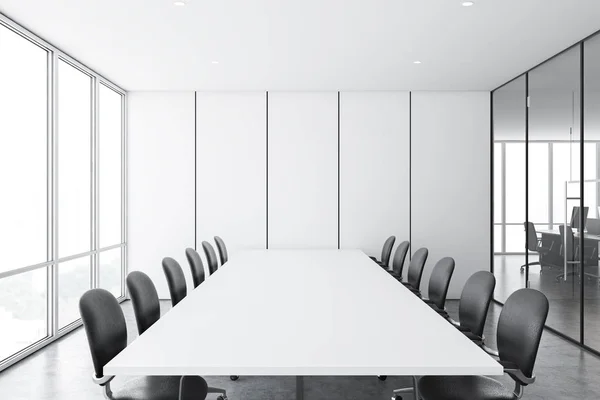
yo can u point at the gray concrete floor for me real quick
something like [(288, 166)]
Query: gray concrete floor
[(63, 370), (564, 296)]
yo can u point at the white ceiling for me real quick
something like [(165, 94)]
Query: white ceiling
[(308, 44)]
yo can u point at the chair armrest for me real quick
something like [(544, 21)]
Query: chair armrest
[(490, 351), (373, 258), (514, 372), (103, 380)]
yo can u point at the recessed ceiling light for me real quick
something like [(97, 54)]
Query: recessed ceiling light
[(179, 3), (215, 62), (467, 3), (417, 62)]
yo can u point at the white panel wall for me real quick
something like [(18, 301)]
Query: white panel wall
[(161, 182), (451, 181), (231, 169), (374, 169), (303, 181)]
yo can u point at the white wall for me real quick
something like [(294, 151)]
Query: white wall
[(303, 173), (231, 169), (450, 174), (374, 169), (451, 181), (161, 182)]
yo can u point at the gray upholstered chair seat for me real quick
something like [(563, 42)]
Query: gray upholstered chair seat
[(463, 387)]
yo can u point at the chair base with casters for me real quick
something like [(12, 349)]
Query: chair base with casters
[(534, 263), (159, 387), (234, 377), (414, 390)]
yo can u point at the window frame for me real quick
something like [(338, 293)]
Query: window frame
[(54, 54)]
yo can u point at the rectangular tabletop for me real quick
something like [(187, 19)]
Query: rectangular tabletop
[(302, 313)]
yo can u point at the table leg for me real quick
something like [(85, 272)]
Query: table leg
[(299, 388)]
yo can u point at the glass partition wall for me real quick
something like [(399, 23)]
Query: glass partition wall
[(62, 219), (546, 170)]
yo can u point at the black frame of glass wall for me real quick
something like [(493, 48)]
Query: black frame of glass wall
[(581, 45)]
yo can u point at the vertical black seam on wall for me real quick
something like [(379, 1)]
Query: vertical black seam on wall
[(527, 104), (581, 189), (195, 170), (410, 175), (338, 154), (267, 167), (492, 182)]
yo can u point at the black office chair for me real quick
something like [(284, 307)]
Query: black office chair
[(195, 265), (474, 304), (519, 332), (415, 270), (439, 282), (398, 260), (144, 298), (386, 252), (106, 331), (175, 280), (222, 250), (211, 257), (534, 244)]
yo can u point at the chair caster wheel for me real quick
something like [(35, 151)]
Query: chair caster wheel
[(382, 377), (222, 398), (234, 377), (396, 397)]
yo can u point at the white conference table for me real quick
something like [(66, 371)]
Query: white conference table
[(302, 313)]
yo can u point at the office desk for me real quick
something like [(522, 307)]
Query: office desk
[(554, 258), (302, 313)]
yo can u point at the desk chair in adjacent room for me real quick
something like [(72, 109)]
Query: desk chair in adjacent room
[(175, 280), (222, 250), (211, 257), (146, 308), (534, 244), (196, 266), (106, 333), (519, 332), (386, 252), (398, 260)]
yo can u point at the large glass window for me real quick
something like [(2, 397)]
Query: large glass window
[(58, 173), (74, 160), (110, 271), (23, 153), (74, 279), (110, 166), (23, 310)]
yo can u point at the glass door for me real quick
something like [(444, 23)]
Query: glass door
[(554, 150)]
